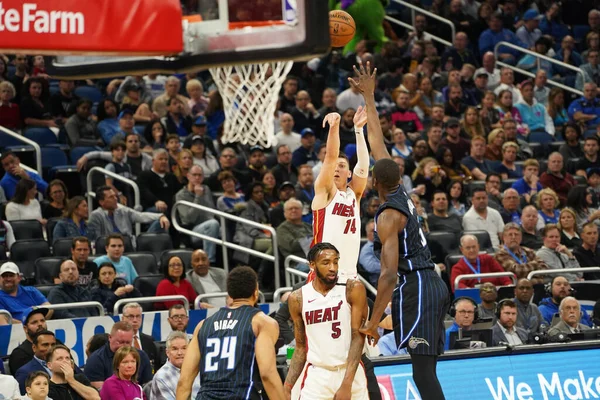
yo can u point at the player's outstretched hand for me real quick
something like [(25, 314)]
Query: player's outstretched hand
[(360, 117), (369, 329), (333, 119), (365, 80)]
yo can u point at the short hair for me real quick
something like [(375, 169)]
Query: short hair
[(569, 298), (9, 86), (279, 147), (507, 303), (491, 175), (117, 236), (120, 355), (132, 305), (224, 175), (478, 138), (34, 338), (34, 375), (590, 224), (318, 248), (193, 83), (478, 189), (387, 172), (510, 144), (176, 335), (531, 162), (176, 307), (241, 283), (172, 136), (6, 154), (82, 101), (158, 152), (100, 192), (292, 201), (121, 326), (173, 100), (119, 144), (438, 191), (546, 192), (593, 138), (81, 239), (97, 341), (509, 226), (56, 347), (548, 228), (468, 236)]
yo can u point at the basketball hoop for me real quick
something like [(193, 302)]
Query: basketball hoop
[(250, 93)]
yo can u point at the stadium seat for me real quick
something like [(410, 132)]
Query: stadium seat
[(53, 157), (3, 211), (450, 261), (571, 165), (62, 247), (184, 254), (42, 136), (25, 252), (92, 93), (580, 180), (144, 263), (101, 245), (27, 229), (579, 32), (475, 185), (154, 242), (78, 152), (441, 244), (46, 268), (147, 284), (483, 237), (45, 289), (50, 229), (507, 183), (554, 146), (538, 150), (10, 141)]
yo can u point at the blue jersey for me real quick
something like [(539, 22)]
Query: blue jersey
[(228, 362), (413, 252)]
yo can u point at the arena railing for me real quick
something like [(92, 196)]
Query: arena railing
[(36, 147), (486, 275), (8, 315), (206, 296), (561, 271), (279, 292), (70, 306), (136, 189), (223, 242), (291, 273), (539, 57), (413, 11), (151, 299)]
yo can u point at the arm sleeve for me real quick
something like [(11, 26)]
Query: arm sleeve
[(72, 131), (42, 185), (94, 371), (282, 316), (10, 235), (361, 169), (148, 198)]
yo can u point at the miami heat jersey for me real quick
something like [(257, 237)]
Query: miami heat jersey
[(327, 322), (339, 224)]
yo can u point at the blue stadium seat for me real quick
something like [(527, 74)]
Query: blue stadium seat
[(53, 157), (78, 152), (579, 32), (9, 141), (91, 93), (42, 136)]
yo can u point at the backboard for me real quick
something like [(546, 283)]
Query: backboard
[(219, 32)]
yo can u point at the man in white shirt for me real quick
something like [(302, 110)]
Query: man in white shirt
[(507, 82), (481, 217), (206, 279), (489, 67), (286, 136), (349, 98), (506, 332)]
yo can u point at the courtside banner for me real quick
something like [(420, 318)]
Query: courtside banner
[(559, 375), (75, 333), (96, 27)]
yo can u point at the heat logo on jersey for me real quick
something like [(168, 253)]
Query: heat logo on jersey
[(343, 210), (328, 314)]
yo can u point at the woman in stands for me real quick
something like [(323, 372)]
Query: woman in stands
[(10, 114), (37, 386), (215, 115), (490, 117), (400, 148), (580, 200), (174, 283), (202, 158), (592, 40), (108, 289), (430, 173), (453, 168), (428, 97), (457, 198), (547, 203), (198, 103), (572, 147), (108, 124), (493, 150), (58, 195), (156, 135), (505, 108), (568, 229), (271, 190), (471, 124), (35, 110), (556, 107), (24, 205), (123, 384), (185, 160), (74, 222), (231, 200)]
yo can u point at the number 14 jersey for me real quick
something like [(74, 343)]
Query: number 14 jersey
[(339, 224)]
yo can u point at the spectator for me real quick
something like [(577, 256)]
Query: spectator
[(111, 218), (570, 315), (108, 124), (557, 180), (590, 70), (427, 97), (329, 99), (178, 318), (507, 168), (41, 343), (495, 139), (455, 106), (528, 33), (420, 150), (592, 40), (440, 220), (65, 383), (183, 163), (305, 154), (475, 263), (20, 75), (489, 67), (198, 103), (482, 217), (125, 86), (9, 387), (155, 135), (206, 279), (367, 258), (481, 87), (257, 211), (24, 205), (556, 255), (68, 291), (294, 235), (507, 82), (230, 199), (200, 221), (507, 111), (572, 147), (430, 174), (75, 221), (580, 201), (459, 54), (158, 186), (177, 119), (124, 381), (492, 188), (228, 160), (559, 289), (35, 110), (287, 136), (550, 24), (547, 204), (115, 246), (585, 110), (81, 127), (506, 329), (475, 162), (80, 251), (568, 55), (17, 299), (14, 173), (119, 167), (132, 313), (457, 198), (164, 383), (528, 186), (155, 84), (495, 34), (37, 385), (587, 253), (256, 163), (305, 191), (160, 104), (10, 114), (463, 318), (108, 288), (290, 88), (510, 133), (400, 147), (534, 115), (541, 92), (215, 115), (487, 308), (590, 156), (568, 228), (284, 171), (276, 213), (406, 119), (99, 366), (529, 316), (33, 322), (530, 227), (515, 258), (304, 113), (174, 283), (173, 146), (471, 124)]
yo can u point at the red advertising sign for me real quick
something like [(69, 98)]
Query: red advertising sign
[(102, 27), (386, 387)]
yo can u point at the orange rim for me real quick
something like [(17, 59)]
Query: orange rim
[(254, 24)]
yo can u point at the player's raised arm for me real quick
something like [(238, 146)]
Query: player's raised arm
[(389, 223), (357, 298), (324, 185), (189, 368), (268, 332), (299, 358), (361, 170), (365, 83)]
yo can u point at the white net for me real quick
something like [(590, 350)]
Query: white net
[(250, 93)]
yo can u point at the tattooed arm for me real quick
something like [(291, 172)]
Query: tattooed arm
[(299, 358)]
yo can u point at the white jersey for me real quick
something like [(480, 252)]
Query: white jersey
[(327, 322), (339, 224)]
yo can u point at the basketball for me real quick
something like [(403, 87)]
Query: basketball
[(341, 28)]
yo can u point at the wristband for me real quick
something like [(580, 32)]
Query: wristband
[(288, 385), (358, 131)]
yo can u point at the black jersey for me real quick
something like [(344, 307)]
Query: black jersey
[(413, 251), (228, 362)]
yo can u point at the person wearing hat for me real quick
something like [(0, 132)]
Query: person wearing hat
[(458, 145), (16, 299), (481, 83), (529, 33), (33, 322), (286, 190), (172, 86), (535, 115), (256, 163), (305, 154), (124, 88), (199, 129), (202, 157)]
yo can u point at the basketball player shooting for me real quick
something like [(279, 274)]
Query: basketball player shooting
[(421, 298), (327, 318), (336, 205)]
